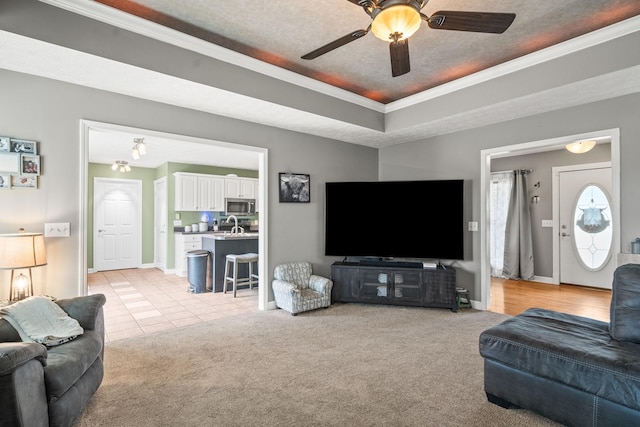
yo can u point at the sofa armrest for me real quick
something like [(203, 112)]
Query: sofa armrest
[(87, 310), (284, 287), (15, 354), (320, 284)]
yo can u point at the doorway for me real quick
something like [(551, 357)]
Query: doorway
[(261, 155), (612, 135), (160, 210)]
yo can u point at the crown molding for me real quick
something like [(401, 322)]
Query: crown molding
[(135, 24), (150, 29), (585, 41)]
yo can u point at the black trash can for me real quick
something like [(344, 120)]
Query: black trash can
[(199, 271)]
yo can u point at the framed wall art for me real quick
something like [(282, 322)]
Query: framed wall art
[(29, 164), (9, 162), (5, 143), (24, 181), (22, 146), (294, 187), (5, 182)]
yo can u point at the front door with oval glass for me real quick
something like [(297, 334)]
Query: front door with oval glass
[(586, 228)]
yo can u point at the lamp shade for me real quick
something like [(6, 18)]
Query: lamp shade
[(402, 19), (22, 250)]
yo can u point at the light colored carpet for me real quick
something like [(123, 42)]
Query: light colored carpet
[(348, 365)]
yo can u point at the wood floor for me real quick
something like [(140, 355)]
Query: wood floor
[(515, 296)]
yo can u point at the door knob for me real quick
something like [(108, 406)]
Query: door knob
[(565, 235)]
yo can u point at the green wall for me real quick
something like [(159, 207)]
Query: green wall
[(148, 176)]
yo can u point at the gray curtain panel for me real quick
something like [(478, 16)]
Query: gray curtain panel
[(518, 246)]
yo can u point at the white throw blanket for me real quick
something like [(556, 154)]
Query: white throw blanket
[(38, 319)]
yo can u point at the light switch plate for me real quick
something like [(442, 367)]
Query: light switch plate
[(547, 223), (57, 229), (473, 225)]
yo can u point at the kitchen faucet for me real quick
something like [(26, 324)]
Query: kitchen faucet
[(235, 228)]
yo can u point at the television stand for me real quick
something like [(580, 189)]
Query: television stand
[(375, 262), (394, 284)]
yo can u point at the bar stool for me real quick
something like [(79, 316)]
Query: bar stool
[(236, 260)]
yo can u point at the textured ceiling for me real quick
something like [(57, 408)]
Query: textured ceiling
[(279, 32)]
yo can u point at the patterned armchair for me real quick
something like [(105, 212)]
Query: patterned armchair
[(297, 289)]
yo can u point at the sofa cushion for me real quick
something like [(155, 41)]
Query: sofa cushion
[(625, 304), (571, 350), (66, 363)]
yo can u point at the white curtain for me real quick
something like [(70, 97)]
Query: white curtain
[(500, 192), (518, 241)]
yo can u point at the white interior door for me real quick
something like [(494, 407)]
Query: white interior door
[(160, 222), (586, 227), (117, 233)]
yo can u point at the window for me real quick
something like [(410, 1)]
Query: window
[(592, 229)]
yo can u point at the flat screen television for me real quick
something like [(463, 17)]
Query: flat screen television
[(395, 219)]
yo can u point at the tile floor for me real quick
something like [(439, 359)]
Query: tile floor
[(143, 301)]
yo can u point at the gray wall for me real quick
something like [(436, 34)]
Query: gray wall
[(457, 155), (49, 111)]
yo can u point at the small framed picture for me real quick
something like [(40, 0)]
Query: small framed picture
[(24, 181), (22, 146), (9, 162), (294, 187), (5, 143), (5, 182), (29, 164)]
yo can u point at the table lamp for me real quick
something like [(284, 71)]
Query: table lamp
[(18, 251)]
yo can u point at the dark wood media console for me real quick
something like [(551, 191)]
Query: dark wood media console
[(423, 287)]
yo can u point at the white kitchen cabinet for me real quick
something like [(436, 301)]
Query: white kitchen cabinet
[(186, 192), (240, 188), (199, 192), (211, 193), (183, 244)]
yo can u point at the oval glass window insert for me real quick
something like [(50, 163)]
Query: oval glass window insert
[(592, 230)]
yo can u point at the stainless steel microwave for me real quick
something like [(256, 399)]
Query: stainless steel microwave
[(240, 206)]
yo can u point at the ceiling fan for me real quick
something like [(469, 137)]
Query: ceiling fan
[(397, 20)]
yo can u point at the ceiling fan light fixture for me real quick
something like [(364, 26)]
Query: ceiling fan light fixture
[(580, 147), (401, 19)]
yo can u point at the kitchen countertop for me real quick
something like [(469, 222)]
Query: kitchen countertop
[(228, 236)]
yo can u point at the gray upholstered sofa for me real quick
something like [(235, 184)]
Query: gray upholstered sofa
[(574, 370), (50, 387)]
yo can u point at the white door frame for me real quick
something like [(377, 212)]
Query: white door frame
[(263, 188), (528, 148), (157, 224), (136, 186)]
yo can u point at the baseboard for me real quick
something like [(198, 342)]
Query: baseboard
[(543, 279)]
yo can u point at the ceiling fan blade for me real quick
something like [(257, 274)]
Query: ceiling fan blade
[(399, 51), (481, 22), (354, 35)]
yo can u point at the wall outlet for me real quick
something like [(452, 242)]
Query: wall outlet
[(547, 223), (57, 229), (177, 222), (473, 225)]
